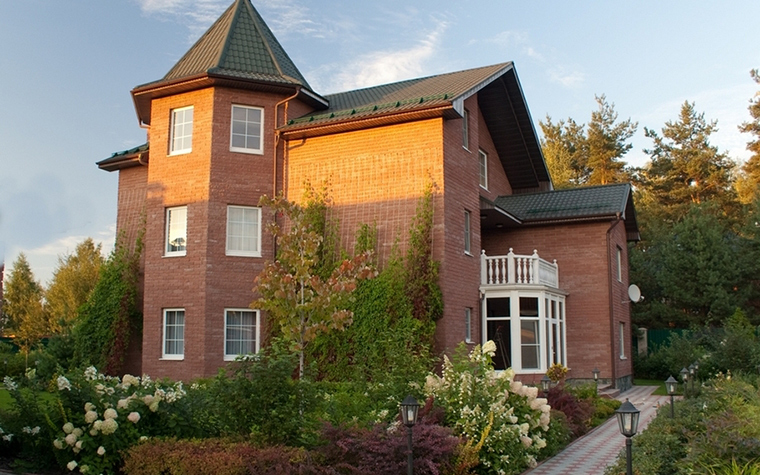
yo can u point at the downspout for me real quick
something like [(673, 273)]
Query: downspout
[(140, 155), (611, 301), (277, 137), (274, 154)]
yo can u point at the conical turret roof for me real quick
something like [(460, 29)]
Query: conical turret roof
[(239, 44), (238, 50)]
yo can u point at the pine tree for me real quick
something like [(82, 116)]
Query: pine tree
[(23, 306), (685, 169), (565, 151), (748, 184), (607, 144)]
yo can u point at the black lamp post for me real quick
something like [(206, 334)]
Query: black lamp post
[(628, 421), (545, 382), (595, 372), (685, 378), (670, 385), (409, 409), (691, 376)]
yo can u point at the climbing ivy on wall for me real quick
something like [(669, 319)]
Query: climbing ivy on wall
[(391, 336), (111, 314)]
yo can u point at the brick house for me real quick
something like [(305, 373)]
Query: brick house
[(234, 119)]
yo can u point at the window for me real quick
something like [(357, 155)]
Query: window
[(246, 130), (468, 325), (622, 341), (499, 330), (528, 330), (243, 231), (181, 140), (176, 231), (467, 247), (619, 264), (483, 158), (174, 334), (466, 130), (241, 332)]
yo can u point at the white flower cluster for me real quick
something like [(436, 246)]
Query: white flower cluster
[(120, 403), (9, 384), (476, 397)]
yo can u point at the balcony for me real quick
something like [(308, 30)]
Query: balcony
[(516, 269)]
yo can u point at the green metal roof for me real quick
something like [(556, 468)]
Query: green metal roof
[(239, 44), (585, 203), (403, 96), (125, 159)]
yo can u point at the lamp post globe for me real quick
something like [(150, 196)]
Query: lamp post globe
[(628, 422), (671, 385), (545, 382), (409, 409), (685, 378)]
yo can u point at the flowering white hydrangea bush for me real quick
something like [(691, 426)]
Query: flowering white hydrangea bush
[(109, 420), (471, 392)]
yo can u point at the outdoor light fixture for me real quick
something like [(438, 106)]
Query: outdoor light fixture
[(685, 378), (595, 372), (670, 385), (545, 381), (691, 375), (409, 409), (628, 421)]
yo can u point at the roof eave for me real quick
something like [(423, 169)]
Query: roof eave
[(143, 95), (458, 102), (345, 125)]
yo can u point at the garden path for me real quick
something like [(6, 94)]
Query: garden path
[(590, 454)]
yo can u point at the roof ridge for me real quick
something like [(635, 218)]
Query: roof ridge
[(366, 88)]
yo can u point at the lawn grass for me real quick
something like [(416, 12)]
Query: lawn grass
[(660, 391), (5, 400)]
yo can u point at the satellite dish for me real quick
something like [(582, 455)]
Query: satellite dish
[(634, 293)]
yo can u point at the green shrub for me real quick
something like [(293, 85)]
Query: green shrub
[(259, 398), (558, 435)]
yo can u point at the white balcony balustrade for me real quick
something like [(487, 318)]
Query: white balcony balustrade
[(518, 269)]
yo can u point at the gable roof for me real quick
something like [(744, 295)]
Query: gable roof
[(589, 203), (238, 47), (500, 100), (125, 159)]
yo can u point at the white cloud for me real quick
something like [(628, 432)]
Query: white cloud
[(43, 259), (382, 67), (196, 15), (566, 78)]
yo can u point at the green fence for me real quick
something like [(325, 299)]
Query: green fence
[(657, 337)]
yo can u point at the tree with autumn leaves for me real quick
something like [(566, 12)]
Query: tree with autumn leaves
[(302, 298)]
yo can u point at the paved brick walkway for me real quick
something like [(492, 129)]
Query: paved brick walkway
[(590, 454)]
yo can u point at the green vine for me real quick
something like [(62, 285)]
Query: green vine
[(111, 314), (421, 269)]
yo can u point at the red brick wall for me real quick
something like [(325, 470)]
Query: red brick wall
[(205, 281), (587, 271)]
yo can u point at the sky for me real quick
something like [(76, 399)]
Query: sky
[(67, 68)]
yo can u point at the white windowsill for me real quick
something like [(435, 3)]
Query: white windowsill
[(172, 358), (468, 253)]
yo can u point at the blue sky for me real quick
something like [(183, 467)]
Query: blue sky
[(66, 69)]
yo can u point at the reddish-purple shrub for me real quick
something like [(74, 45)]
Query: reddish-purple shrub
[(218, 457), (382, 450), (578, 411)]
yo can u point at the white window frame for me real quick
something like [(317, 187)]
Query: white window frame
[(467, 232), (247, 123), (468, 325), (466, 130), (168, 232), (483, 169), (619, 264), (243, 252), (180, 125), (164, 340), (256, 331), (547, 354)]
